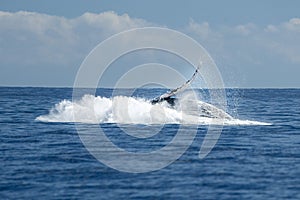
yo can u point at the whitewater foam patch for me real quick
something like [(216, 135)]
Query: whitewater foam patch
[(130, 110)]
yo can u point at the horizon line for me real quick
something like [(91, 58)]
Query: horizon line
[(69, 87)]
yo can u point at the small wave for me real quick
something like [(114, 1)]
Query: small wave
[(131, 110)]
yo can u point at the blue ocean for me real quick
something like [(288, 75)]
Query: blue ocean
[(43, 156)]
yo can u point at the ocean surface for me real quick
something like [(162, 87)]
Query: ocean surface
[(257, 155)]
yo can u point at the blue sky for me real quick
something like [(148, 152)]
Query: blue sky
[(254, 43)]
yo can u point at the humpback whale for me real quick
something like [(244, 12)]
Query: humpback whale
[(169, 96), (170, 100)]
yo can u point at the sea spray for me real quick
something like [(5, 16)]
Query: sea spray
[(132, 110)]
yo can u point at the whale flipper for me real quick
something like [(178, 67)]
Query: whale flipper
[(168, 96)]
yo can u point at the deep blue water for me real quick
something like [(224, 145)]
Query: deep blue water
[(49, 161)]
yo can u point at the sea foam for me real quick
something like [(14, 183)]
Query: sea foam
[(132, 110)]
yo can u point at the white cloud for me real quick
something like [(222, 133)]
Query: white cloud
[(37, 40), (110, 20), (293, 24), (273, 40), (245, 30), (252, 51), (203, 32), (40, 39), (203, 29), (271, 28), (284, 39)]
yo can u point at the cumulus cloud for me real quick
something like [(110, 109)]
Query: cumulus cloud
[(35, 46), (34, 38), (277, 40), (29, 39), (245, 30), (283, 40), (258, 53)]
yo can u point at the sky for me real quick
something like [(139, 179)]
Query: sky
[(254, 43)]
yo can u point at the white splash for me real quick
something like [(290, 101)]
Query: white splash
[(130, 110)]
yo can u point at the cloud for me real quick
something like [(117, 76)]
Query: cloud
[(282, 39), (257, 53), (209, 38), (39, 46), (110, 20), (40, 39), (55, 44)]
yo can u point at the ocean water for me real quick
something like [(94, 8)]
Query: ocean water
[(42, 156)]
